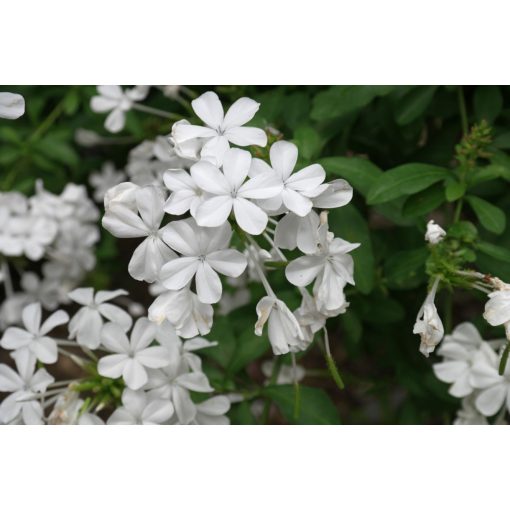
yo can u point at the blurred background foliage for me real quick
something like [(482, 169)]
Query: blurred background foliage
[(357, 133)]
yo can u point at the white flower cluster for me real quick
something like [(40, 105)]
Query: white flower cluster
[(157, 368), (225, 190), (60, 230), (470, 366)]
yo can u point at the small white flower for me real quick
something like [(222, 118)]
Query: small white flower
[(184, 311), (113, 99), (104, 180), (299, 189), (34, 337), (12, 106), (185, 196), (220, 128), (139, 409), (285, 333), (435, 233), (497, 309), (132, 356), (24, 387), (205, 254), (227, 191), (428, 323), (87, 323), (123, 222)]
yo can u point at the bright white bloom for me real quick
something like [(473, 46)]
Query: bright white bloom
[(299, 188), (205, 254), (459, 349), (494, 388), (184, 311), (174, 382), (228, 191), (434, 233), (428, 323), (113, 99), (132, 356), (220, 128), (497, 309), (123, 222), (332, 268), (33, 338), (285, 333), (104, 180), (212, 411), (469, 415), (87, 323), (138, 409), (12, 106), (25, 386)]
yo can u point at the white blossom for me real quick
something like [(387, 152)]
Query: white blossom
[(87, 323), (113, 99), (131, 356), (220, 128), (34, 337), (205, 253), (12, 106), (435, 233), (497, 309)]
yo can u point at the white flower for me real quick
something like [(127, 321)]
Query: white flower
[(87, 323), (331, 266), (494, 388), (190, 149), (497, 309), (205, 254), (174, 382), (131, 356), (25, 387), (459, 349), (121, 221), (228, 191), (124, 194), (34, 337), (468, 414), (185, 196), (212, 411), (309, 317), (184, 311), (104, 180), (12, 106), (221, 128), (434, 233), (113, 99), (428, 323), (284, 331), (299, 188), (138, 409)]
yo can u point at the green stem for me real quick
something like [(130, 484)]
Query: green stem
[(277, 364), (48, 121), (458, 210), (463, 110), (156, 111), (448, 313), (504, 359)]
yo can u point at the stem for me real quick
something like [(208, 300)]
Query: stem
[(259, 270), (335, 374), (48, 122), (79, 360), (462, 109), (277, 364), (156, 111), (458, 210)]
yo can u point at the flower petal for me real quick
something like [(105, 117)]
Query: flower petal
[(296, 202), (209, 109), (177, 273), (306, 179), (236, 165), (228, 262), (31, 316), (83, 296), (241, 112), (209, 178), (108, 295), (112, 365), (213, 212), (115, 314), (184, 406), (182, 236), (208, 284), (157, 411), (12, 106), (45, 349), (489, 401), (283, 157), (195, 381), (56, 319), (303, 270), (134, 374), (114, 338), (154, 357), (15, 338), (144, 332), (245, 136), (250, 217), (115, 121)]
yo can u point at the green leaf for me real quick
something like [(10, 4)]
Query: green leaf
[(317, 408), (487, 102), (490, 216), (343, 99), (222, 333), (57, 150), (496, 252), (349, 224), (309, 142), (240, 414), (414, 104), (360, 172), (249, 347), (424, 201), (487, 173), (406, 269), (404, 180), (454, 190)]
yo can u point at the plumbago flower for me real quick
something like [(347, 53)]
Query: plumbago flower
[(25, 385), (434, 233), (113, 99), (220, 128), (131, 356), (205, 254), (87, 323), (12, 106), (122, 220), (33, 339)]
